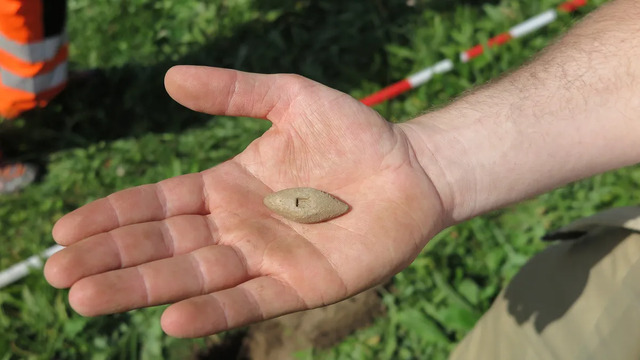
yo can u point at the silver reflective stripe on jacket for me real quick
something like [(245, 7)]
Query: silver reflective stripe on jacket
[(38, 83), (36, 51)]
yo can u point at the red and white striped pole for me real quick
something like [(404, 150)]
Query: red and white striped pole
[(411, 82), (520, 30), (523, 29)]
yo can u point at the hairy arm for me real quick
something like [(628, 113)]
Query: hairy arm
[(571, 113)]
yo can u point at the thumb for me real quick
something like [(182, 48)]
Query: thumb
[(219, 91)]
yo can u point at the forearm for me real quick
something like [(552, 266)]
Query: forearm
[(572, 113)]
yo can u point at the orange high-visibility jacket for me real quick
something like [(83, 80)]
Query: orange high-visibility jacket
[(33, 54)]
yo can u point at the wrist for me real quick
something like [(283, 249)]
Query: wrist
[(490, 149), (482, 153), (443, 156), (481, 156)]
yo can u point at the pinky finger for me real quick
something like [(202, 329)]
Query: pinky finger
[(252, 301)]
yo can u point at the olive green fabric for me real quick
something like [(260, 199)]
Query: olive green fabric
[(577, 299)]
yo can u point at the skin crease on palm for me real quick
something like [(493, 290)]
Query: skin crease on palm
[(205, 242)]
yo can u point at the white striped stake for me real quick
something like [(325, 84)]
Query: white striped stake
[(22, 269), (520, 30)]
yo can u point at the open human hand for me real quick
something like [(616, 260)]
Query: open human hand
[(205, 242)]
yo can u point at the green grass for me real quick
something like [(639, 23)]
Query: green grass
[(121, 130)]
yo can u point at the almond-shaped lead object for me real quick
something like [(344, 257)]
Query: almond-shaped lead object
[(305, 205)]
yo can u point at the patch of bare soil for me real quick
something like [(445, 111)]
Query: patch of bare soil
[(280, 338)]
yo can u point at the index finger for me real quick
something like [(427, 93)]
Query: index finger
[(181, 195)]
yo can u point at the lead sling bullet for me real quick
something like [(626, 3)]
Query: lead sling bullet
[(305, 205)]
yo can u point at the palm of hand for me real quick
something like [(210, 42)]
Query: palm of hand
[(207, 242)]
